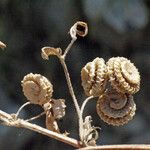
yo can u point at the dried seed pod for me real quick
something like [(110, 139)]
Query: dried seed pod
[(116, 108), (37, 88), (79, 28), (94, 77), (2, 45), (123, 75), (47, 51)]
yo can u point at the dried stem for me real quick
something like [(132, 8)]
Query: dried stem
[(19, 110), (38, 116), (69, 47), (70, 85), (84, 104), (67, 75), (9, 120), (119, 147)]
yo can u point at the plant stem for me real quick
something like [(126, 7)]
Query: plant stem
[(9, 120), (69, 47), (19, 110), (84, 104), (119, 147), (38, 116), (62, 61), (73, 96)]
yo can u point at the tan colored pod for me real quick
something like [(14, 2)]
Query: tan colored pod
[(94, 77), (37, 88), (116, 108), (123, 75)]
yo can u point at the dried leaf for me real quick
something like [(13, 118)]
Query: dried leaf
[(47, 51), (58, 108), (51, 123)]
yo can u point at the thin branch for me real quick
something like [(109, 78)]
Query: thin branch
[(69, 47), (70, 86), (19, 110), (84, 104), (73, 96), (119, 147), (9, 120), (38, 116)]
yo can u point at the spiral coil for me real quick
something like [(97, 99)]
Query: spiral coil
[(37, 88), (116, 108), (123, 75), (94, 77)]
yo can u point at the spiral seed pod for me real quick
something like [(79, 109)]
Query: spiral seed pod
[(116, 108), (123, 75), (94, 77), (37, 88)]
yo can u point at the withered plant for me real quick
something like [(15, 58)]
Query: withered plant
[(112, 83)]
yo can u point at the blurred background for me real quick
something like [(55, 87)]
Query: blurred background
[(116, 28)]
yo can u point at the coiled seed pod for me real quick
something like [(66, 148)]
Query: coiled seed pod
[(123, 75), (94, 77), (37, 88), (116, 108)]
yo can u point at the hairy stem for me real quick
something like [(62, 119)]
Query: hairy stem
[(9, 120)]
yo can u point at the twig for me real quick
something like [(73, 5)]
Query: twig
[(84, 104), (69, 47), (19, 110), (9, 120), (119, 147), (38, 116), (73, 96), (70, 86)]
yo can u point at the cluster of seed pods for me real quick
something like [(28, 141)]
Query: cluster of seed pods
[(114, 83)]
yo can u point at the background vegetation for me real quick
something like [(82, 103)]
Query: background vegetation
[(116, 28)]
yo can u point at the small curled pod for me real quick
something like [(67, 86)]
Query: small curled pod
[(123, 75), (37, 88), (79, 28), (116, 108), (94, 77)]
